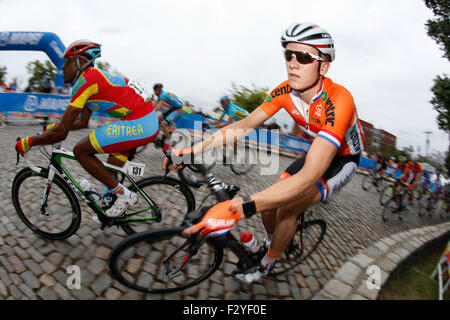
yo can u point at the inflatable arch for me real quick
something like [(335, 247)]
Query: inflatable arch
[(47, 42)]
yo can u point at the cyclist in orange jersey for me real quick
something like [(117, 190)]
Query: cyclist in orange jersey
[(323, 109)]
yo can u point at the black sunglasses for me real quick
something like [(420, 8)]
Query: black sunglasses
[(302, 57)]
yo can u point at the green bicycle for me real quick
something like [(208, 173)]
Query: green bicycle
[(45, 198)]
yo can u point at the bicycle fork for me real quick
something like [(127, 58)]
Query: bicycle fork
[(190, 252), (48, 186)]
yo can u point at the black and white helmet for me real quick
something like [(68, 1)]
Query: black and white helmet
[(311, 34)]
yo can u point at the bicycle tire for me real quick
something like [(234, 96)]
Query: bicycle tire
[(422, 204), (386, 194), (380, 185), (173, 197), (148, 246), (367, 183), (310, 243), (247, 166), (389, 210), (55, 199)]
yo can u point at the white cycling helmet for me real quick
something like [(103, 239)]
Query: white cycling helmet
[(311, 34)]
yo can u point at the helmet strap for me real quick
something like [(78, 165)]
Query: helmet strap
[(80, 68)]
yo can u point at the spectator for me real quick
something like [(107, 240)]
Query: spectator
[(13, 85)]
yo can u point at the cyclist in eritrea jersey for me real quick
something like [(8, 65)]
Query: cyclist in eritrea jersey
[(321, 108), (166, 102), (96, 90), (229, 110)]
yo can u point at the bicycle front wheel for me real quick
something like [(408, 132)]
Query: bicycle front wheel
[(148, 261), (390, 208), (245, 160), (304, 242), (172, 198), (59, 218), (367, 183)]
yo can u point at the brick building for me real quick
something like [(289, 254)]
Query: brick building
[(376, 139)]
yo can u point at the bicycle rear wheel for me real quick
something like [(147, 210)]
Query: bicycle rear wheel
[(173, 200), (423, 204), (62, 215), (143, 261), (304, 242)]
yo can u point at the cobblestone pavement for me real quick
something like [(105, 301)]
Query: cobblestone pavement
[(34, 268)]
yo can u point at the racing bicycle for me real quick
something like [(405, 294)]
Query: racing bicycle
[(45, 198), (393, 199), (373, 181), (162, 261)]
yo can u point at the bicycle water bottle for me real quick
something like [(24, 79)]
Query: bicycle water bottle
[(89, 189), (249, 241)]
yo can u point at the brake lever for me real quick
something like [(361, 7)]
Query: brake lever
[(17, 152)]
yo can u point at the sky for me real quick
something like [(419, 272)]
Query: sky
[(197, 49)]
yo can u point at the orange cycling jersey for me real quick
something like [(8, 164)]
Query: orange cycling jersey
[(417, 169), (331, 115)]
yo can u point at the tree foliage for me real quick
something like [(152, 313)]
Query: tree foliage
[(248, 98), (3, 72), (439, 27), (41, 75), (441, 101), (439, 30), (106, 66)]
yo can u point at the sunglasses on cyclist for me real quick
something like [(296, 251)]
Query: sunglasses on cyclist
[(302, 57)]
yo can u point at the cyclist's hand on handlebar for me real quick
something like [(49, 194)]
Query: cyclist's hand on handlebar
[(23, 145), (176, 156), (218, 220)]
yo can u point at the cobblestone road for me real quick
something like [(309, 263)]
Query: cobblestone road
[(34, 268)]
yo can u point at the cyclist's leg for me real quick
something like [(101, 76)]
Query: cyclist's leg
[(286, 219), (114, 138), (85, 154), (269, 217), (339, 173)]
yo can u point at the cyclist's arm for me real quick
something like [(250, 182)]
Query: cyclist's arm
[(318, 159), (83, 121), (233, 132), (221, 125), (61, 131), (160, 104), (216, 122)]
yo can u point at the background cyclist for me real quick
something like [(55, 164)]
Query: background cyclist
[(379, 164), (120, 97), (231, 111), (166, 101)]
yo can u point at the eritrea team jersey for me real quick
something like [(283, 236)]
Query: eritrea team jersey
[(170, 99), (237, 113), (331, 115), (112, 93), (121, 98)]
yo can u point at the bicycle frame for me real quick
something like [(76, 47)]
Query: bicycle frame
[(246, 259), (56, 166)]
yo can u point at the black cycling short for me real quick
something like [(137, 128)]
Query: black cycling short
[(340, 171)]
